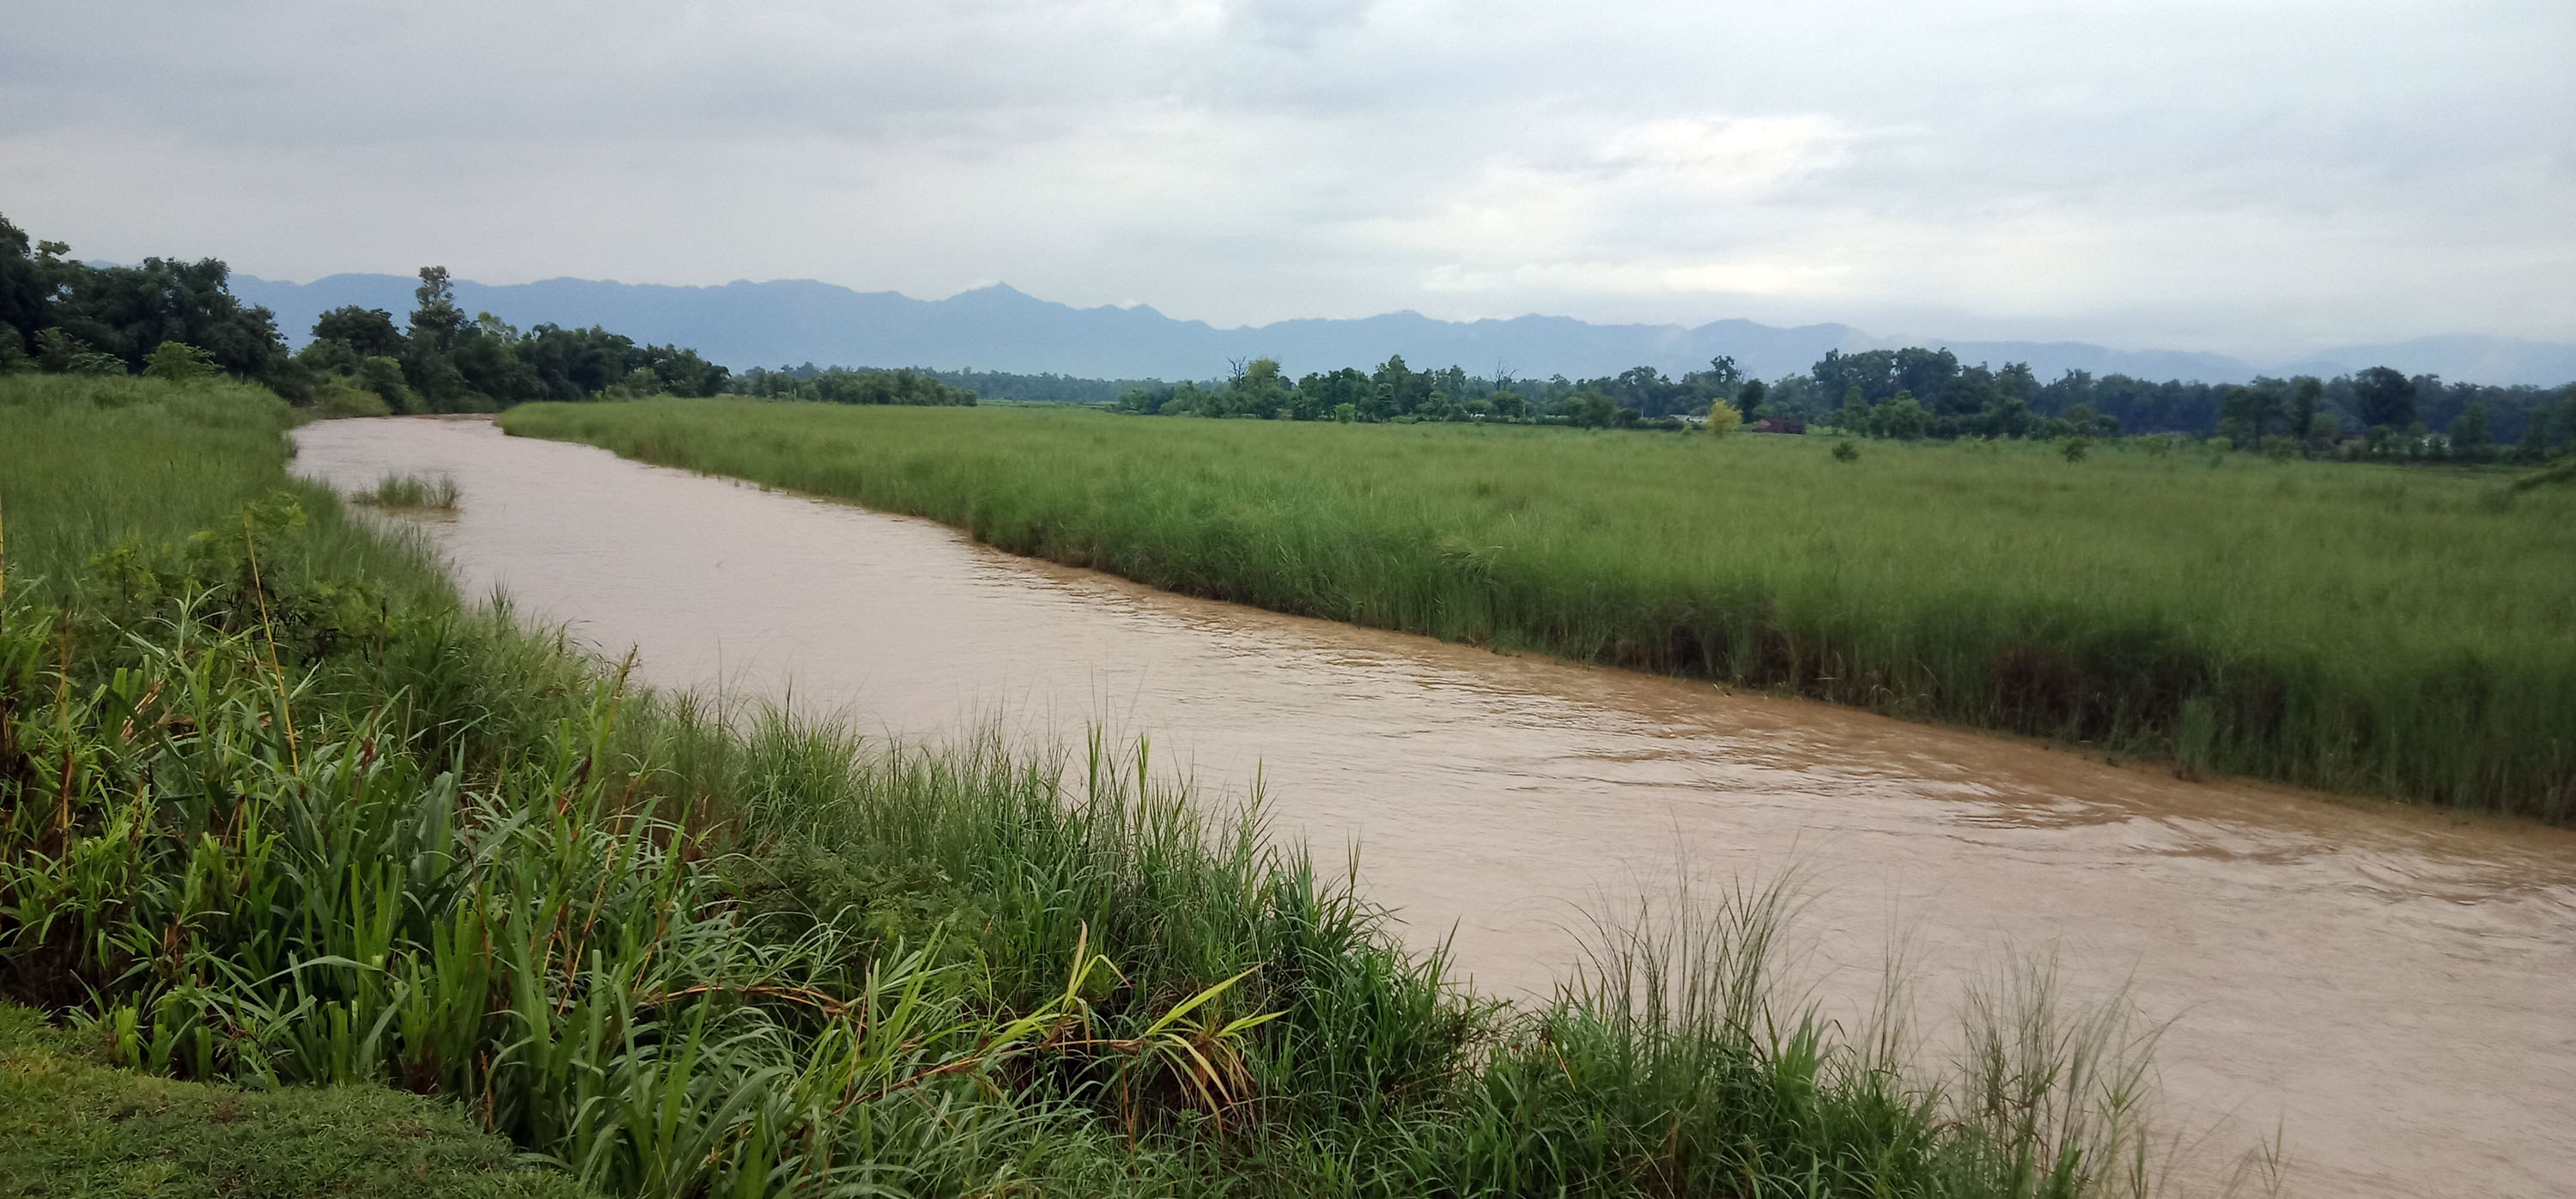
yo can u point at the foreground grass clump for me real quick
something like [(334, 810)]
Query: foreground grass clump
[(277, 813), (2366, 629), (70, 1127)]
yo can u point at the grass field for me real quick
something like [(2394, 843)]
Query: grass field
[(2369, 629), (277, 815)]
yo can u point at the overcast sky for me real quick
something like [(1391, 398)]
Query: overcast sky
[(2252, 176)]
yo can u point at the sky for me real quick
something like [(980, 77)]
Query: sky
[(2257, 177)]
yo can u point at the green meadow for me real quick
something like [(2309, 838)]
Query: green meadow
[(315, 881), (2384, 630)]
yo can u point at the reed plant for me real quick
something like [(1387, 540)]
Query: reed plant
[(402, 492), (276, 811), (2372, 629)]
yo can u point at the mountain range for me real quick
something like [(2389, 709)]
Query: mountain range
[(789, 322)]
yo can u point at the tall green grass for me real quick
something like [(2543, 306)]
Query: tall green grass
[(275, 810), (2367, 629)]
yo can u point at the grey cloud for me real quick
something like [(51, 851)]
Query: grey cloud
[(2143, 170)]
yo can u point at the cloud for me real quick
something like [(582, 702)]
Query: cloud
[(2240, 176)]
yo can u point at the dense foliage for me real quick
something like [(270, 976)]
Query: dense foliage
[(840, 385), (1914, 394), (2355, 628), (177, 320), (1005, 386)]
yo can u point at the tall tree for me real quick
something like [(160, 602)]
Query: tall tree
[(2471, 437), (435, 322), (369, 331), (2384, 398), (26, 285)]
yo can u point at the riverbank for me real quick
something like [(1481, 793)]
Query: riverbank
[(2354, 629), (280, 811)]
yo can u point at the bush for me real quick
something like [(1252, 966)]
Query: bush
[(63, 354), (336, 398), (178, 362)]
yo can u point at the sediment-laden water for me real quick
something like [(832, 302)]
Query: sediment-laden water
[(2393, 990)]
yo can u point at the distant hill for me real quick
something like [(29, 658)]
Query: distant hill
[(790, 322)]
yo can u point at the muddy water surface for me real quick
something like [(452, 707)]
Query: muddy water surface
[(2388, 988)]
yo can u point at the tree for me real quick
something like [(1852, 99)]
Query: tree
[(1723, 418), (1721, 381), (2535, 438), (1871, 372), (1853, 416), (1748, 398), (2247, 414), (2471, 437), (26, 289), (1319, 395), (1258, 388), (1592, 409), (1399, 390), (2307, 394), (369, 331), (1929, 375), (2383, 398), (1903, 417), (434, 324)]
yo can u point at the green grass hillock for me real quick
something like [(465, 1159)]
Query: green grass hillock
[(71, 1128), (2369, 629)]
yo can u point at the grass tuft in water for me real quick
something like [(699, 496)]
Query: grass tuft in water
[(436, 493)]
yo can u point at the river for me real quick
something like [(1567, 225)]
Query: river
[(2387, 988)]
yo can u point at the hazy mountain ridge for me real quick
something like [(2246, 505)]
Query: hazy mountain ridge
[(743, 324)]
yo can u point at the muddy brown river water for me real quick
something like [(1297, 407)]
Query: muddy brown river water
[(2393, 991)]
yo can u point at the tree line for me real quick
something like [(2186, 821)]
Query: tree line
[(1918, 393), (177, 318), (1046, 387)]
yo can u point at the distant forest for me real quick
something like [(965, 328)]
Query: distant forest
[(1923, 393), (177, 318)]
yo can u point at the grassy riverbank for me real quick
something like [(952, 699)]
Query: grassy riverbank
[(2365, 629), (276, 813)]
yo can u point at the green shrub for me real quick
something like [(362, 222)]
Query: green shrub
[(177, 361)]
